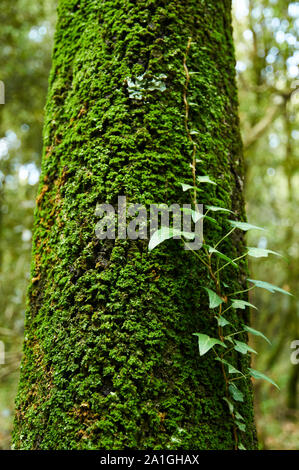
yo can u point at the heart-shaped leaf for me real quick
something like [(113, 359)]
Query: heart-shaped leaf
[(214, 299), (205, 179), (243, 348), (205, 343), (222, 322)]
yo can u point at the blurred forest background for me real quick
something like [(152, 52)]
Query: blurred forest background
[(266, 35)]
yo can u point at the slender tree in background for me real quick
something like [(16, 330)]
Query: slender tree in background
[(268, 71), (109, 357), (26, 42)]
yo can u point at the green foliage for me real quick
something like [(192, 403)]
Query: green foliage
[(166, 233), (237, 303), (244, 226), (214, 298), (269, 287), (256, 333), (259, 375), (205, 179), (207, 343), (260, 252)]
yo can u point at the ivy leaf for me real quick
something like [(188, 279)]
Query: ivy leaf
[(186, 187), (222, 321), (214, 299), (205, 343), (256, 333), (196, 215), (259, 375), (261, 252), (238, 416), (221, 255), (243, 348), (269, 287), (236, 303), (241, 426), (205, 179), (230, 405), (210, 219), (236, 394), (218, 209), (165, 233), (244, 226), (231, 368)]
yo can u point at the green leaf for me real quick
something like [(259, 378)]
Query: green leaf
[(220, 255), (269, 287), (196, 215), (165, 233), (236, 393), (210, 219), (214, 299), (230, 405), (256, 333), (261, 252), (186, 187), (241, 426), (243, 348), (205, 343), (222, 321), (239, 417), (218, 209), (241, 447), (259, 375), (205, 179), (236, 303), (244, 226), (231, 368)]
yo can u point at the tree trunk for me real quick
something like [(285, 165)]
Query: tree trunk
[(109, 357)]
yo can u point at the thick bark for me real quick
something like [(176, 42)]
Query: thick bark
[(109, 357)]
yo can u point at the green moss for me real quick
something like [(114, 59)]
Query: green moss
[(109, 357)]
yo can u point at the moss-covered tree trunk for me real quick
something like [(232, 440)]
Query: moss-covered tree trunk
[(109, 357)]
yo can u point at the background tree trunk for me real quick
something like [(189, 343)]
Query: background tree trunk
[(109, 357)]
